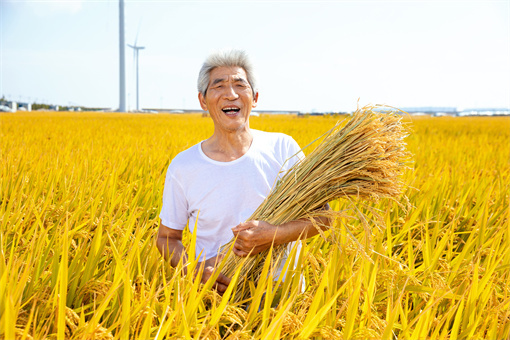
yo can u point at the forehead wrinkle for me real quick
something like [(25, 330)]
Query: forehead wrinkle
[(235, 78), (218, 80)]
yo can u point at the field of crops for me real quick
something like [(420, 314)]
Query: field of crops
[(79, 202)]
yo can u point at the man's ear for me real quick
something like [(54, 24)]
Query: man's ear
[(255, 100), (202, 101)]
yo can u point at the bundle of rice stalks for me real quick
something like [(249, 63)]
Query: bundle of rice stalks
[(361, 159)]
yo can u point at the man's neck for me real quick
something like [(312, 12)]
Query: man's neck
[(228, 146)]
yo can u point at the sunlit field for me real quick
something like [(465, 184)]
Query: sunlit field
[(80, 195)]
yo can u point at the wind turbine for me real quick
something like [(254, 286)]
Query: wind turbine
[(135, 50), (122, 68)]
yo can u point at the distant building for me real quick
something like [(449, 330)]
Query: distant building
[(25, 106), (431, 110), (453, 111), (485, 112), (8, 106)]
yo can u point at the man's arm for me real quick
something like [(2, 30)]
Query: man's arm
[(254, 237), (169, 244)]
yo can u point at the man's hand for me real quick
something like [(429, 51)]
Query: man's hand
[(222, 281), (169, 243), (253, 237)]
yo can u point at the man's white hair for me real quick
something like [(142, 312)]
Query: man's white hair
[(228, 58)]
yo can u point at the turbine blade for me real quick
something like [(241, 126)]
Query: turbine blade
[(138, 31)]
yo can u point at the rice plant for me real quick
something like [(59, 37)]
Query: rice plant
[(80, 195)]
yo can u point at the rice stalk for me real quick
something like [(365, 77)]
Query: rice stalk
[(363, 159)]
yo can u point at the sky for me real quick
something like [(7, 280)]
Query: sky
[(308, 55)]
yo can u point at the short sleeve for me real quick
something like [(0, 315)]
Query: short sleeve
[(293, 154), (174, 212)]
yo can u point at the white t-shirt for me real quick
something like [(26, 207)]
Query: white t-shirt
[(216, 196)]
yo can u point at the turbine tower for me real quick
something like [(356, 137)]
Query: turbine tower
[(122, 54), (135, 50)]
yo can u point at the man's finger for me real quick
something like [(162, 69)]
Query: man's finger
[(240, 227), (220, 287), (206, 274), (221, 283), (240, 252), (223, 279), (243, 240)]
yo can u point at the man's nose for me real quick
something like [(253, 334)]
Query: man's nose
[(230, 93)]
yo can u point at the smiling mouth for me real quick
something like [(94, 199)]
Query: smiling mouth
[(231, 111)]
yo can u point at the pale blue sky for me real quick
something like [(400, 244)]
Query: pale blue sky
[(320, 55)]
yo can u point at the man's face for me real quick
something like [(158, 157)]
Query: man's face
[(229, 98)]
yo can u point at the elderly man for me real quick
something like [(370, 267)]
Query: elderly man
[(217, 184)]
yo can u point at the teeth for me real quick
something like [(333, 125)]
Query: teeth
[(228, 109)]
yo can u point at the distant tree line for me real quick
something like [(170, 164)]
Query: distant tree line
[(65, 108), (41, 106)]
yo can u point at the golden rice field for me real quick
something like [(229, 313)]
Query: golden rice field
[(79, 202)]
